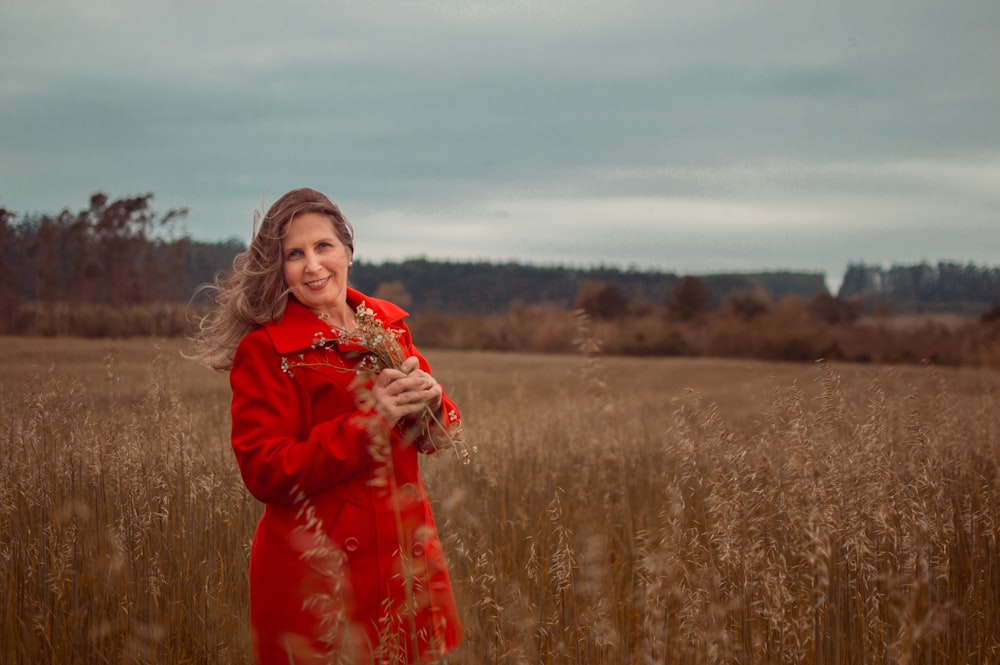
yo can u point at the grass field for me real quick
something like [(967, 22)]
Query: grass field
[(616, 510)]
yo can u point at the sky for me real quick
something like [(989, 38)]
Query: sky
[(689, 137)]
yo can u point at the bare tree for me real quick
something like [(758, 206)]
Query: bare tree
[(601, 300), (691, 297), (8, 284)]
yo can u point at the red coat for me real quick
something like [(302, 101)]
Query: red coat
[(346, 559)]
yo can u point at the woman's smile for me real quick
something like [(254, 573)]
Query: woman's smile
[(318, 284)]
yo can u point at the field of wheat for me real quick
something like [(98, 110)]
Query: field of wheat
[(616, 510)]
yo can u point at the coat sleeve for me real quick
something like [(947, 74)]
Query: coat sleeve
[(449, 417), (279, 454)]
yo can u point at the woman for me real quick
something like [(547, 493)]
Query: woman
[(346, 565)]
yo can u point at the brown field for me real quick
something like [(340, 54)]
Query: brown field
[(617, 510)]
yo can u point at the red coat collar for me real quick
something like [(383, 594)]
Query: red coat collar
[(299, 326)]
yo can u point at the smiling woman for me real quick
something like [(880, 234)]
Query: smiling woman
[(346, 562)]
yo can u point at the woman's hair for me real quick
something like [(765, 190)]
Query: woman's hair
[(254, 292)]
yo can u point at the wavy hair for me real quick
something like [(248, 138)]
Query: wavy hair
[(254, 291)]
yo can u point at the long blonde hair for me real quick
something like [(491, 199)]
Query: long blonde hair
[(254, 291)]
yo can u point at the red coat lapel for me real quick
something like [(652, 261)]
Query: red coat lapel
[(299, 326)]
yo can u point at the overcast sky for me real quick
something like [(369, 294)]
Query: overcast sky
[(690, 137)]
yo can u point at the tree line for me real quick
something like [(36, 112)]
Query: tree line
[(947, 286), (112, 256), (116, 254), (121, 252), (489, 288)]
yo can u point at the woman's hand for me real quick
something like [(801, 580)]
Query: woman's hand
[(406, 391)]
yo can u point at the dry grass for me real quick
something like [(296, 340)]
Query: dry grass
[(619, 510)]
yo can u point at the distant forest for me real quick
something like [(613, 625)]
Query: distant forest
[(924, 288), (123, 253), (488, 288)]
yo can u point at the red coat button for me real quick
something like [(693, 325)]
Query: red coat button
[(418, 549), (351, 544), (409, 493)]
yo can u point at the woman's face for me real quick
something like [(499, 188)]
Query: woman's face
[(315, 264)]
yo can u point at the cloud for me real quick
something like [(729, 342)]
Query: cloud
[(714, 134)]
